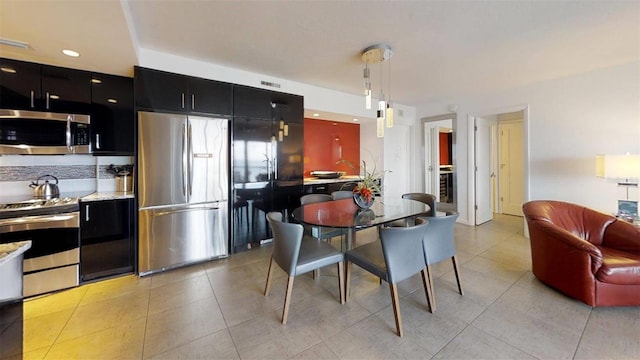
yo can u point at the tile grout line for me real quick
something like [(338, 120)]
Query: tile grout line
[(146, 321), (584, 328), (226, 325)]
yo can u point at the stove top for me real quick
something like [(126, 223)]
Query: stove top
[(39, 207)]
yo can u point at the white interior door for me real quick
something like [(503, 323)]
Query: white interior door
[(482, 141), (511, 168), (397, 160), (431, 168)]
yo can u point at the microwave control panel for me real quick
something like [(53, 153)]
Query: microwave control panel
[(81, 135)]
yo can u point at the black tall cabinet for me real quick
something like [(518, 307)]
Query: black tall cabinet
[(267, 160)]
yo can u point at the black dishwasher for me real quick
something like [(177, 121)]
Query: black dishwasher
[(106, 238)]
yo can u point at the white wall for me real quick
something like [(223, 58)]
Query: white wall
[(570, 120)]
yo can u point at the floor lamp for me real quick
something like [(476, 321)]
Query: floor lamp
[(625, 169)]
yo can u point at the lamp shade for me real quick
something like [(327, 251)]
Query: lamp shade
[(625, 167)]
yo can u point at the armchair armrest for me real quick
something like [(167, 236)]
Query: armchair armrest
[(623, 236), (570, 250)]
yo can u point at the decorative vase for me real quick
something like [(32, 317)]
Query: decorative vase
[(362, 202)]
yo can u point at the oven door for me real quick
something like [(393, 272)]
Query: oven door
[(52, 263)]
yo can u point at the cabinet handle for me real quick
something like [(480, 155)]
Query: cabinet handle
[(193, 101), (32, 98), (86, 214), (47, 105), (183, 100), (97, 141)]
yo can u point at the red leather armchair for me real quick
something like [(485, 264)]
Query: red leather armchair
[(585, 254)]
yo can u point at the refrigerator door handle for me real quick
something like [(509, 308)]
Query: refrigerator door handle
[(169, 212), (190, 158), (184, 162)]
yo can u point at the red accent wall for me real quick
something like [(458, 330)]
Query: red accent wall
[(444, 149), (326, 142)]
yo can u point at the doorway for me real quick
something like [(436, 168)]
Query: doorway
[(439, 160), (500, 165)]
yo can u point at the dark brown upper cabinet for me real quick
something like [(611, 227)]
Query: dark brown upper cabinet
[(112, 115), (31, 86), (160, 90)]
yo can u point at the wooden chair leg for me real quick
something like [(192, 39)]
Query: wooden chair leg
[(347, 285), (287, 300), (395, 303), (427, 289), (341, 280), (454, 259), (268, 284), (432, 305)]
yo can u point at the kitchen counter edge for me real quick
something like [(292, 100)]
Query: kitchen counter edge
[(107, 195), (12, 250), (316, 181)]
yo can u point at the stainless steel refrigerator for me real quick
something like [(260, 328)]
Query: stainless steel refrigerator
[(183, 184)]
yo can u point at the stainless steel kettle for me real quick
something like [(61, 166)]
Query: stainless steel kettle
[(45, 190)]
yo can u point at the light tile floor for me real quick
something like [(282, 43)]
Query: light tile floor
[(216, 310)]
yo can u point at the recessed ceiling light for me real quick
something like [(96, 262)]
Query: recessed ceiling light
[(96, 81), (354, 119), (70, 53), (8, 70), (113, 101), (316, 114)]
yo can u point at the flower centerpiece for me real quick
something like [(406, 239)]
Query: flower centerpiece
[(367, 186)]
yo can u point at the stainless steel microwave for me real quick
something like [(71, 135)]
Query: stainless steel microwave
[(43, 133)]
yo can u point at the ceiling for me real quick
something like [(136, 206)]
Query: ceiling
[(441, 48)]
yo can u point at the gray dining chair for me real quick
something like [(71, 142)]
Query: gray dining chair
[(439, 244), (342, 194), (297, 257), (423, 198), (397, 256), (322, 233)]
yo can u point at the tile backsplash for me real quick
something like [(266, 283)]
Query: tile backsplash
[(76, 173)]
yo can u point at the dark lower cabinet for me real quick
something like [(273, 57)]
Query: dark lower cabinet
[(329, 187), (106, 238)]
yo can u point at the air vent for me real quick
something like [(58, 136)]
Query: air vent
[(271, 84)]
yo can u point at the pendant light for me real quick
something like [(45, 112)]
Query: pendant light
[(378, 54)]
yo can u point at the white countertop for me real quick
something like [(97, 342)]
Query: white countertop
[(12, 250), (344, 178), (107, 195)]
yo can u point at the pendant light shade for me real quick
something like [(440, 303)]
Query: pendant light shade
[(378, 54)]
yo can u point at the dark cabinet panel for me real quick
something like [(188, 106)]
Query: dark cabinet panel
[(30, 86), (112, 115), (209, 96), (106, 238), (252, 102), (267, 175), (66, 90), (161, 90), (19, 84)]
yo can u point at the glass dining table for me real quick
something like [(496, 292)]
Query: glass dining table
[(345, 214)]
